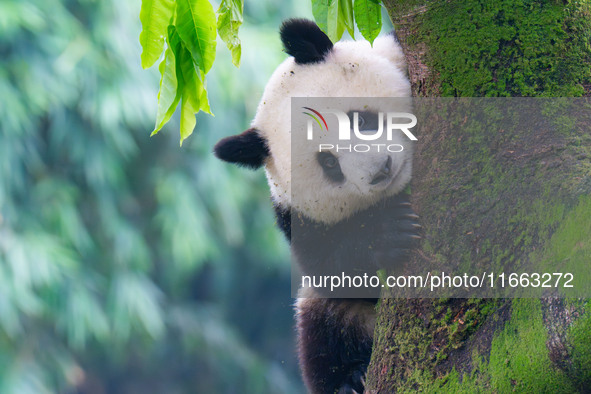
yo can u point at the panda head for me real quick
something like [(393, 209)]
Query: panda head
[(337, 184)]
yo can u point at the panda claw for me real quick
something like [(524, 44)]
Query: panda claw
[(346, 389)]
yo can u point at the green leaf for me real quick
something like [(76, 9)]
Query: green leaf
[(326, 14), (188, 120), (229, 21), (181, 82), (368, 15), (196, 25), (346, 15), (170, 91), (155, 16), (204, 101), (193, 94)]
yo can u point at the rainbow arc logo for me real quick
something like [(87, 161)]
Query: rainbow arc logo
[(318, 115)]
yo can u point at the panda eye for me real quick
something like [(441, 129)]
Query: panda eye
[(330, 166), (330, 161), (361, 122)]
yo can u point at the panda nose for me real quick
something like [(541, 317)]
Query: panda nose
[(383, 173)]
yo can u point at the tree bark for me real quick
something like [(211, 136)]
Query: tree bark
[(530, 200)]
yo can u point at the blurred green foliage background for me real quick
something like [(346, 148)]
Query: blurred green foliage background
[(127, 264)]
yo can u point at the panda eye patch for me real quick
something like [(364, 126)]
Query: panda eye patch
[(330, 166)]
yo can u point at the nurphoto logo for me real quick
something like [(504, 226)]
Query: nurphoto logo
[(361, 129)]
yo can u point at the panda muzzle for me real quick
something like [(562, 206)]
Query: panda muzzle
[(384, 173)]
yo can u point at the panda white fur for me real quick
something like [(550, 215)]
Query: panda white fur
[(335, 336)]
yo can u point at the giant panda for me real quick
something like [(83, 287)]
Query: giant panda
[(335, 335)]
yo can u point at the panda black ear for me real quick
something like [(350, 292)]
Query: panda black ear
[(304, 40), (248, 149)]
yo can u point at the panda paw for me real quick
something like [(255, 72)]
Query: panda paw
[(397, 234)]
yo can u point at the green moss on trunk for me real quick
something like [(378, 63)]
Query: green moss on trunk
[(495, 200), (517, 200), (501, 47)]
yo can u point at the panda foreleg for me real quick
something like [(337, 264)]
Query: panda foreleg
[(381, 236), (335, 341)]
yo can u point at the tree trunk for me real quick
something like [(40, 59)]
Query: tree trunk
[(530, 200)]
